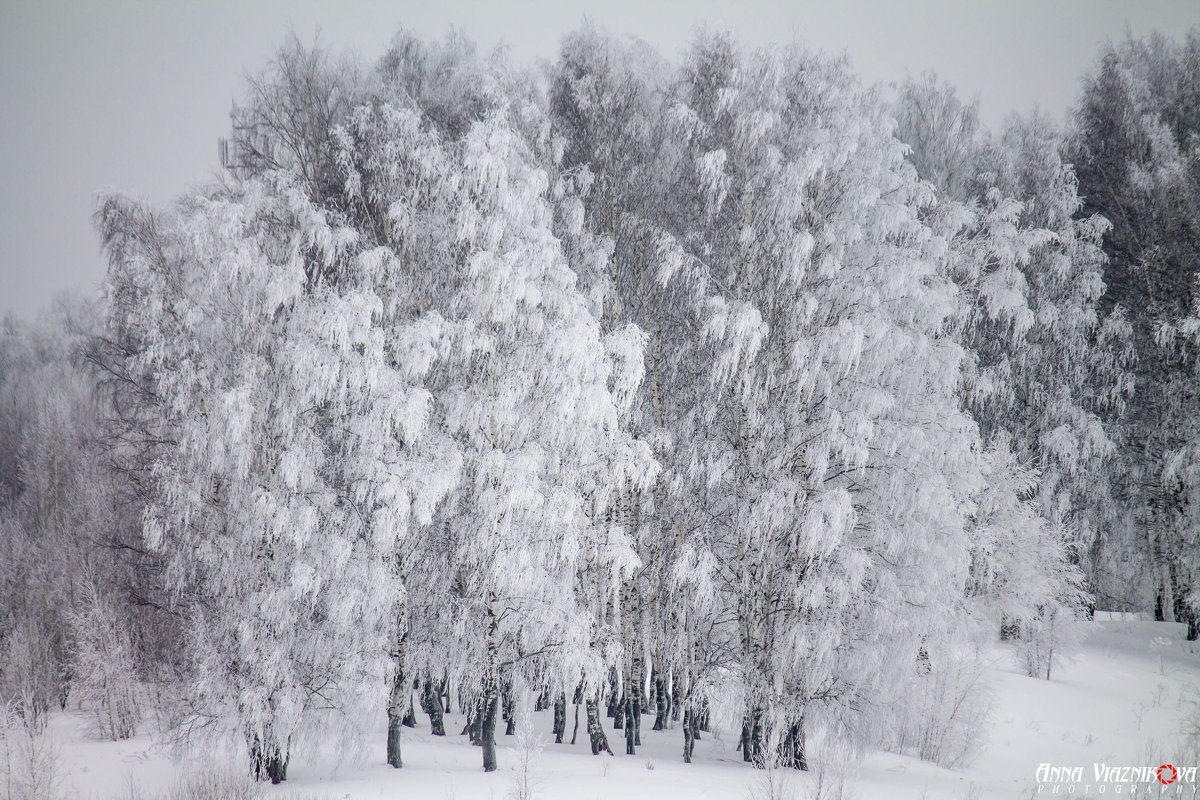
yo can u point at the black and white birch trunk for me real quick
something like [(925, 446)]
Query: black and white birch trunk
[(689, 737), (397, 707), (616, 709), (634, 710), (758, 735), (595, 731), (490, 702), (630, 724), (410, 713), (431, 704), (510, 717), (792, 747), (660, 696), (576, 699), (560, 717), (474, 726)]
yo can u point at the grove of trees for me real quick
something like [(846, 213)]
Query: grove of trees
[(725, 391)]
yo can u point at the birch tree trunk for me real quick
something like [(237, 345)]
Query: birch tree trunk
[(560, 717), (689, 736), (595, 732), (490, 702), (660, 696), (431, 704), (397, 707)]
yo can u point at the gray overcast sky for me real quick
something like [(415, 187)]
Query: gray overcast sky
[(133, 96)]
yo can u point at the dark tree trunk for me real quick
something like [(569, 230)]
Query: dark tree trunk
[(637, 715), (474, 726), (396, 712), (676, 699), (268, 762), (747, 747), (633, 711), (490, 703), (575, 730), (510, 718), (630, 725), (410, 716), (689, 737), (431, 704), (595, 732), (560, 717), (756, 738), (1184, 613), (470, 729), (792, 747), (660, 700), (614, 710), (488, 733)]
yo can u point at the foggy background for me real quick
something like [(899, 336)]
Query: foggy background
[(133, 96)]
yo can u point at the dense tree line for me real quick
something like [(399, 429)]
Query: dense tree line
[(730, 390)]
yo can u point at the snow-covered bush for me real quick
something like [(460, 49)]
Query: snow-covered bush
[(1022, 576), (29, 768), (203, 785), (103, 678), (942, 715), (1048, 638), (528, 748), (28, 679), (1161, 645), (774, 781), (832, 775)]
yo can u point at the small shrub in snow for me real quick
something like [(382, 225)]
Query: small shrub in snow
[(1049, 638), (528, 748), (943, 714), (29, 768), (772, 781), (831, 776), (206, 785), (1161, 645), (28, 676)]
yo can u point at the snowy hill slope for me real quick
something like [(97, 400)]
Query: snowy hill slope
[(1121, 702)]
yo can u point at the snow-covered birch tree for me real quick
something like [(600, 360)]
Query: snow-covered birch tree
[(296, 463), (835, 465)]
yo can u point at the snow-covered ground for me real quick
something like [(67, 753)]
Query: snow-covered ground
[(1119, 703)]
